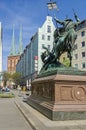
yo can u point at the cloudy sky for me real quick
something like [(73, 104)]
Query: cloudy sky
[(31, 14)]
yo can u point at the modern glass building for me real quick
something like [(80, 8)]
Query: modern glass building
[(30, 61)]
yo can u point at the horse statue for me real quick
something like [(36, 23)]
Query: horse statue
[(47, 58), (64, 39)]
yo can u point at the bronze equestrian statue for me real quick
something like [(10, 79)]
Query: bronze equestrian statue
[(64, 39)]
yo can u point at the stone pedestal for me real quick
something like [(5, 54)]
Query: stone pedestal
[(60, 97)]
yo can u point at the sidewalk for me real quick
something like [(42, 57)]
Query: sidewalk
[(40, 122)]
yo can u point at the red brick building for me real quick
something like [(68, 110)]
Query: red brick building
[(11, 63), (14, 56)]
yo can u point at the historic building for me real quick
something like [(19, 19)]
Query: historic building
[(79, 53), (30, 61), (14, 56)]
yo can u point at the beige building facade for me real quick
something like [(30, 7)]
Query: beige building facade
[(79, 53)]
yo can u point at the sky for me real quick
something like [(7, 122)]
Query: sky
[(31, 14)]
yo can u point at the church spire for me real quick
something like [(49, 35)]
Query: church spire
[(20, 48), (13, 49)]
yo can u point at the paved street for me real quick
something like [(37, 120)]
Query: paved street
[(10, 117)]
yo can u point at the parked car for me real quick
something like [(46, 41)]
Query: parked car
[(5, 89)]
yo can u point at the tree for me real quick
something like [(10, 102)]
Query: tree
[(16, 78), (6, 77)]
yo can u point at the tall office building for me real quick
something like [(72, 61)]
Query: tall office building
[(30, 61), (0, 47)]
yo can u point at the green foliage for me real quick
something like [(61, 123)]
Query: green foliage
[(6, 95), (6, 77), (66, 62), (16, 78)]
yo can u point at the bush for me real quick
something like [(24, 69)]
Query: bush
[(6, 95)]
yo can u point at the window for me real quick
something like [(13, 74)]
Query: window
[(76, 56), (83, 54), (42, 46), (83, 33), (76, 66), (83, 65), (49, 29), (75, 46), (48, 47), (48, 38), (83, 43), (13, 63), (10, 62), (43, 37)]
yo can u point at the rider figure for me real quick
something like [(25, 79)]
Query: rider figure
[(67, 25), (65, 36)]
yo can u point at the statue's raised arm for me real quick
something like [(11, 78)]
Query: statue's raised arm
[(59, 21)]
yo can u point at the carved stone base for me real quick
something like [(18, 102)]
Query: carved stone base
[(60, 97)]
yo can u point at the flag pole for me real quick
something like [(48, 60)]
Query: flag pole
[(51, 6)]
